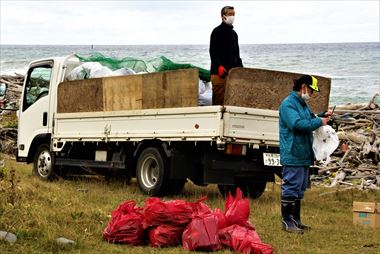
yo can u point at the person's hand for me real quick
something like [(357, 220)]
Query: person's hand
[(324, 120), (222, 73), (329, 114)]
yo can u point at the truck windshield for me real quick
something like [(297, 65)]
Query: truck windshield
[(37, 85)]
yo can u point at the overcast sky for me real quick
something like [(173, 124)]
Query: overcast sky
[(186, 22)]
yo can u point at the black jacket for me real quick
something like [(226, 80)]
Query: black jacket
[(224, 48)]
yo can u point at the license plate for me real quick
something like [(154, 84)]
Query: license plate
[(272, 159)]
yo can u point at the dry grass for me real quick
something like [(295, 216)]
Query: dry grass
[(9, 121), (79, 210)]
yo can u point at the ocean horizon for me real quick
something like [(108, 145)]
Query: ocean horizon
[(354, 67)]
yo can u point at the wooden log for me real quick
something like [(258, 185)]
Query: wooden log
[(340, 108), (324, 170), (351, 136), (345, 155), (360, 177), (338, 177), (344, 111), (372, 187), (347, 170), (345, 183), (372, 104)]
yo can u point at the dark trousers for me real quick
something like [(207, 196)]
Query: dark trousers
[(295, 180)]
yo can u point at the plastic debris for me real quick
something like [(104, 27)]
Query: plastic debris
[(126, 225), (202, 234), (325, 142), (237, 210), (191, 224)]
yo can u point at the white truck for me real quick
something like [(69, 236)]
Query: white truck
[(163, 148)]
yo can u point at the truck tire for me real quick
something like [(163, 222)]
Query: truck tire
[(43, 165), (176, 186), (152, 172), (251, 190), (255, 190)]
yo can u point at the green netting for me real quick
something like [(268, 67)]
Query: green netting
[(115, 63), (155, 65), (165, 64)]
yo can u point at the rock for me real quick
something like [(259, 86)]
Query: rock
[(8, 236), (65, 242)]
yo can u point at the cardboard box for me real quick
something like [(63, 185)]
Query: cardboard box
[(366, 214)]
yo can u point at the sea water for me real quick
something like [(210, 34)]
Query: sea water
[(353, 67)]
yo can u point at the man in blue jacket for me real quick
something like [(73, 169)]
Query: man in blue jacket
[(297, 124)]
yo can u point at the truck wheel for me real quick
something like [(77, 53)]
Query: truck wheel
[(152, 172), (252, 190), (43, 165), (255, 190), (176, 186)]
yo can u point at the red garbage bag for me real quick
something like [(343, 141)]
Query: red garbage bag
[(165, 235), (174, 212), (222, 222), (237, 210), (126, 225), (200, 208), (202, 234), (242, 239)]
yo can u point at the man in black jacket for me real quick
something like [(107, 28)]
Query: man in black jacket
[(224, 53)]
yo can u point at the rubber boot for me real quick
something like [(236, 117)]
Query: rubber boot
[(288, 223), (297, 216)]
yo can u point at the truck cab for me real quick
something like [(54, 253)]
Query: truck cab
[(38, 103)]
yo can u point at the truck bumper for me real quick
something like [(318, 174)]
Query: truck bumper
[(21, 159), (229, 171)]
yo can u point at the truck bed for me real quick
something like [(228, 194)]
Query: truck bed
[(211, 123)]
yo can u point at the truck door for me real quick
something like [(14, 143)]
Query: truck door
[(34, 108)]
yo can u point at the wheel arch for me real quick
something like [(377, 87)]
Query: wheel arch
[(151, 143), (37, 141)]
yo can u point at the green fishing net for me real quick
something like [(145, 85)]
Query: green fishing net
[(155, 65)]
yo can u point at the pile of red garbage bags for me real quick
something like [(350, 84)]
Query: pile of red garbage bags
[(193, 225)]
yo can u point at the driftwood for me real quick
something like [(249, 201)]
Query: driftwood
[(356, 162), (8, 105), (8, 140), (16, 80), (9, 101)]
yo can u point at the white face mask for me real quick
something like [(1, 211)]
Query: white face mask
[(229, 19), (305, 96)]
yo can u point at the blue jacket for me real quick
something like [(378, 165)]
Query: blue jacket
[(297, 124)]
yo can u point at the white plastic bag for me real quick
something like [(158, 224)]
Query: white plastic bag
[(99, 73), (325, 142), (96, 70), (204, 93), (123, 72), (89, 70)]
